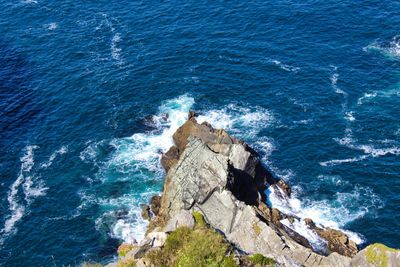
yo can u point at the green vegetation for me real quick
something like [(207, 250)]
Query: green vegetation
[(260, 260), (199, 219), (125, 248), (126, 263), (376, 254), (199, 247)]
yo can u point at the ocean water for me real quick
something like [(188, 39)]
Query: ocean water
[(85, 88)]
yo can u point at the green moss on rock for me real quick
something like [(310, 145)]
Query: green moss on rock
[(199, 219), (260, 260), (124, 248), (376, 254)]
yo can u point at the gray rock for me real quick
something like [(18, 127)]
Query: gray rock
[(377, 255), (154, 239), (189, 182), (223, 178), (182, 218)]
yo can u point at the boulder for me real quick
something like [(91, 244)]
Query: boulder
[(157, 239)]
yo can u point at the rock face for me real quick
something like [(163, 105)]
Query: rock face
[(223, 178), (209, 171)]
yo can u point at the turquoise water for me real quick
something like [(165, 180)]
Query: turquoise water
[(84, 89)]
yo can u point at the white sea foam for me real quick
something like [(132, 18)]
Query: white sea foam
[(369, 149), (391, 49), (349, 116), (332, 179), (134, 158), (265, 146), (17, 210), (303, 121), (335, 213), (137, 157), (334, 79), (301, 228), (61, 151), (285, 66), (89, 154), (51, 26), (31, 187), (243, 122), (115, 50), (30, 2), (381, 94), (365, 97), (340, 161)]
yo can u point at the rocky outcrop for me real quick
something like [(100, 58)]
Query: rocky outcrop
[(211, 172), (336, 240), (223, 178)]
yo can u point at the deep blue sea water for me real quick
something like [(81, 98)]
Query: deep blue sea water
[(314, 86)]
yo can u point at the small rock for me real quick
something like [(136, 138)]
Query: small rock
[(192, 115), (155, 239), (155, 204), (146, 214), (310, 223)]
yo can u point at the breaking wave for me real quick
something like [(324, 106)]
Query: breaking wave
[(335, 213), (242, 122)]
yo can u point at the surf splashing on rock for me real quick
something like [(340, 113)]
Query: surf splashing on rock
[(243, 122), (335, 213), (133, 162)]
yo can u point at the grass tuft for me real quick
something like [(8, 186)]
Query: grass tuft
[(260, 260), (199, 219), (186, 248)]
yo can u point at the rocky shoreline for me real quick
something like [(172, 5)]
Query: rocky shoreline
[(215, 186)]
